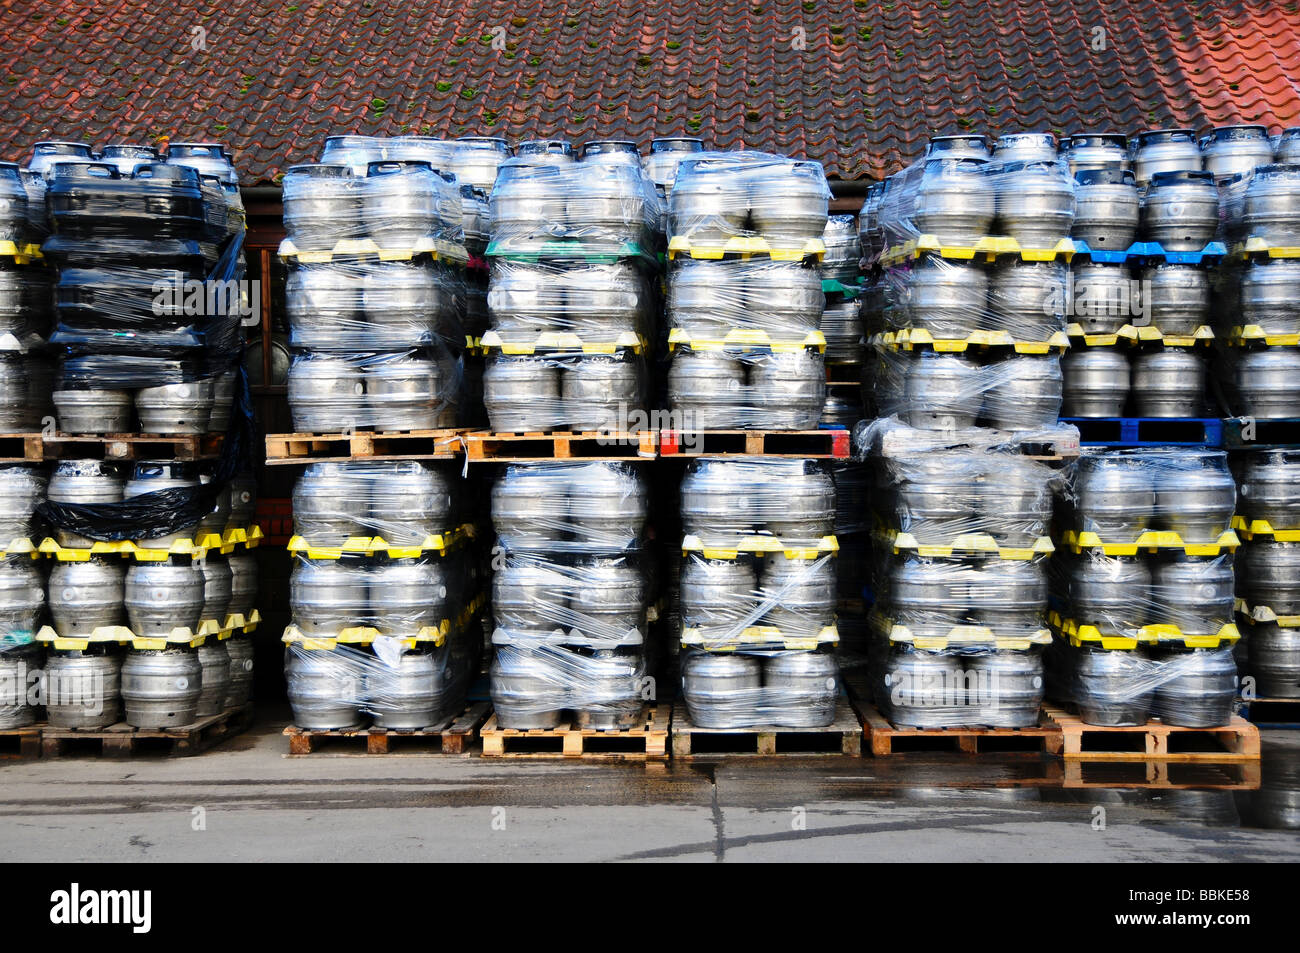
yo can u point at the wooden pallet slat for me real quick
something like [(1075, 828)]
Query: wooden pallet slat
[(887, 739), (648, 741), (560, 445), (1236, 741), (829, 443), (843, 736), (1162, 775), (443, 444), (37, 447), (20, 743), (123, 741), (452, 735)]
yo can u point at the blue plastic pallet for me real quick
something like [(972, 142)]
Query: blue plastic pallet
[(1152, 251), (1148, 431)]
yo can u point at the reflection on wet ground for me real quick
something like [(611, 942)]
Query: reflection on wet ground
[(910, 807)]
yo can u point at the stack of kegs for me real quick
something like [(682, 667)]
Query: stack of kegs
[(149, 295), (758, 593), (1259, 369), (572, 293), (22, 593), (1268, 568), (1153, 191), (376, 291), (960, 195), (745, 297), (841, 322), (1147, 630), (957, 634), (26, 301), (572, 584), (382, 597), (107, 601)]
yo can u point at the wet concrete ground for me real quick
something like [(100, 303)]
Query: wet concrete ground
[(246, 801)]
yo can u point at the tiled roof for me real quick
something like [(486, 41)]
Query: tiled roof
[(872, 81)]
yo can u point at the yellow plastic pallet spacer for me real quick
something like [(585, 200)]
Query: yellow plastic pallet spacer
[(743, 247), (1202, 335), (1258, 246), (1149, 540), (827, 545), (760, 635), (1249, 529), (1254, 334), (1168, 632), (370, 545), (740, 339), (971, 543), (990, 246), (365, 248), (563, 341), (365, 635), (969, 635), (236, 620), (23, 254), (1266, 614), (20, 547), (907, 339)]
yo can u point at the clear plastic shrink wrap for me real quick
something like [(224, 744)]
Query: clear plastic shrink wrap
[(738, 389), (731, 601), (396, 204), (972, 685), (393, 686), (566, 390), (404, 502), (1120, 494), (598, 601), (368, 305), (599, 302), (718, 196), (958, 201), (943, 495), (955, 299), (709, 299), (408, 389), (724, 500), (942, 391), (400, 598), (570, 508), (794, 689), (537, 199)]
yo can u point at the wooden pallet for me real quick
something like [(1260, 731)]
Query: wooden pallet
[(285, 448), (1167, 775), (21, 448), (886, 739), (560, 445), (843, 736), (821, 444), (133, 446), (123, 741), (453, 735), (1236, 741), (35, 447), (1272, 712), (646, 742), (20, 743)]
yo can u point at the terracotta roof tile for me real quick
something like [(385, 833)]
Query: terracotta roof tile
[(872, 83)]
